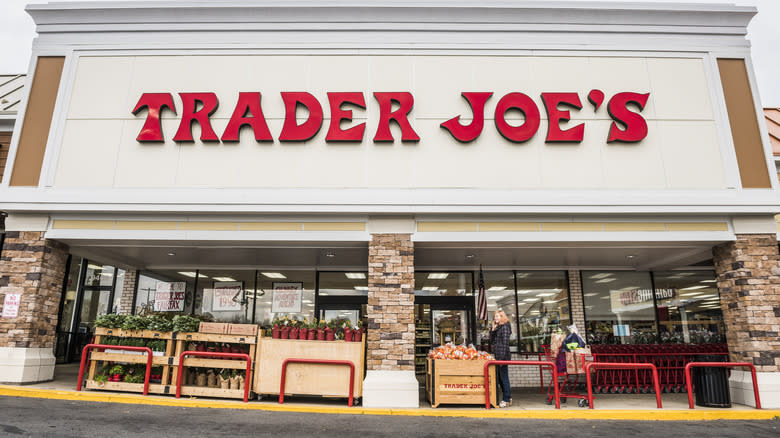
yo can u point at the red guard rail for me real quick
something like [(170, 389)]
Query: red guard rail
[(244, 356), (690, 365), (88, 347), (319, 362), (621, 366), (539, 363)]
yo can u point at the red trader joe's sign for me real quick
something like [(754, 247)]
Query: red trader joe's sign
[(624, 109)]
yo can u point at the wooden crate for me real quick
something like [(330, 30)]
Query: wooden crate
[(309, 379), (163, 360), (458, 382), (182, 339)]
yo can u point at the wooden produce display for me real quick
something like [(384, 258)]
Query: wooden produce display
[(183, 340), (162, 359), (308, 379), (458, 382)]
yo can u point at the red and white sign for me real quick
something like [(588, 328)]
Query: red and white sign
[(627, 126), (226, 296), (11, 305), (169, 297), (287, 298)]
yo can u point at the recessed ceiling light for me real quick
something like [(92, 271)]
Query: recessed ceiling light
[(355, 275), (523, 274), (330, 254), (550, 302), (171, 253), (695, 287), (691, 294), (358, 288), (496, 288), (438, 275), (187, 274), (545, 294), (602, 275), (590, 294), (708, 281), (606, 280), (430, 288), (273, 275), (531, 299), (224, 278)]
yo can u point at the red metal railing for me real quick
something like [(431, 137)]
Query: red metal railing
[(539, 363), (623, 366), (247, 381), (88, 347), (318, 362), (690, 365)]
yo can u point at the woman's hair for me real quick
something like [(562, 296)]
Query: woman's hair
[(502, 318)]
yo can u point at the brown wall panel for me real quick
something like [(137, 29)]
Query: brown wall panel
[(37, 121), (751, 160), (5, 144)]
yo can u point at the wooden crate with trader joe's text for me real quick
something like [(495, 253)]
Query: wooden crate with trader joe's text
[(458, 382), (308, 379)]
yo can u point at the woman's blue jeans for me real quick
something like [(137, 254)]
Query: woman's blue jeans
[(503, 382)]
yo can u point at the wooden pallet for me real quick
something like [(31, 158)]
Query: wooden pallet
[(126, 357), (181, 341), (458, 382)]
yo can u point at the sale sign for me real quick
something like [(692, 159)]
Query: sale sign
[(287, 298), (169, 297), (226, 296), (11, 305)]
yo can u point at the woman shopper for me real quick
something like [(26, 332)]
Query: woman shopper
[(499, 337)]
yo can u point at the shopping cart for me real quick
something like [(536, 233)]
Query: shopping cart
[(567, 382)]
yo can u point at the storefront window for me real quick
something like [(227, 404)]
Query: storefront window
[(167, 282), (343, 283), (443, 283), (689, 307), (225, 295), (543, 303), (299, 284), (500, 294), (619, 307)]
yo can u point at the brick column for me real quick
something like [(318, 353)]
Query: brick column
[(35, 268), (577, 310), (749, 284), (128, 292), (390, 380)]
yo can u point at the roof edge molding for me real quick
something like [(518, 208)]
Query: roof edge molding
[(711, 20)]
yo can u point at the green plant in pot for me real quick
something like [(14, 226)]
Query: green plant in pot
[(116, 372)]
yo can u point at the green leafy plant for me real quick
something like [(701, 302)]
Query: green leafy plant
[(110, 320), (160, 323), (101, 378), (134, 322), (185, 323), (116, 369), (156, 345)]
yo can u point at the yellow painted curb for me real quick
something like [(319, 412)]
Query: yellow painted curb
[(584, 414)]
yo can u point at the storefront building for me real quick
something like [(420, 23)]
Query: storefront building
[(603, 163)]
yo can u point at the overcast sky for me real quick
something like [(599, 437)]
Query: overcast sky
[(17, 31)]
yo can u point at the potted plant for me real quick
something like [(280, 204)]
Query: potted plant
[(330, 330), (294, 329), (303, 330), (312, 335), (321, 325), (276, 330), (346, 326), (224, 379), (285, 332), (116, 372), (357, 333), (101, 379)]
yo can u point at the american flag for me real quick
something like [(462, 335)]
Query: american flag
[(482, 312)]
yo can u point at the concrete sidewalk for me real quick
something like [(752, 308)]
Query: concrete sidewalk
[(527, 403)]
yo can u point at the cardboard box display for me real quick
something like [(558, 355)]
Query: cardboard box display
[(219, 328), (242, 329)]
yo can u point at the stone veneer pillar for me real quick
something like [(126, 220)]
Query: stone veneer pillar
[(749, 284), (35, 268), (128, 293), (390, 379)]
